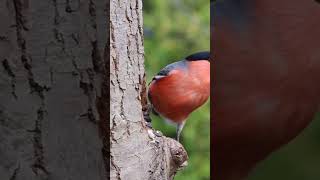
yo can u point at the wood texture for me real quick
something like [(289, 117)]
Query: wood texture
[(51, 73), (135, 153)]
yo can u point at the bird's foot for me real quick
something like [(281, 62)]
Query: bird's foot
[(158, 133), (146, 116), (149, 125), (177, 138), (151, 131), (147, 120)]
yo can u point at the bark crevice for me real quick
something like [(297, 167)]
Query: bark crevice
[(39, 164), (21, 28), (15, 173), (8, 69)]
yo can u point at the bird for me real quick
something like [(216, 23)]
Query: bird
[(180, 88), (266, 79)]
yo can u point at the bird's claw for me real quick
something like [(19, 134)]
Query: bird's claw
[(146, 116), (151, 132), (152, 135), (158, 133), (149, 125)]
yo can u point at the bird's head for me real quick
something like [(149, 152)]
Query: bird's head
[(204, 55)]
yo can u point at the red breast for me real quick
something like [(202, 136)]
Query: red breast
[(182, 91)]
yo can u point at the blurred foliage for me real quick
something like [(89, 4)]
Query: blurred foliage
[(173, 30)]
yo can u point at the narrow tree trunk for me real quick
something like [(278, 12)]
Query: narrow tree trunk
[(51, 76), (135, 152)]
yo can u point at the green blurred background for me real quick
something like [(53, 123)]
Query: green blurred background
[(174, 29)]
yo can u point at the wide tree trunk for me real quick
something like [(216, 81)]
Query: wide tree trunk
[(51, 85), (136, 153)]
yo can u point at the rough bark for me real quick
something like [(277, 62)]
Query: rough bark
[(51, 72), (135, 152)]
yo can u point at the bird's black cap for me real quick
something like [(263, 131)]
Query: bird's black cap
[(204, 55)]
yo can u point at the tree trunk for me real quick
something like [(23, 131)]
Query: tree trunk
[(51, 85), (136, 153)]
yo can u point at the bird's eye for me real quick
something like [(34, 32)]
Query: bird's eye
[(318, 1)]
